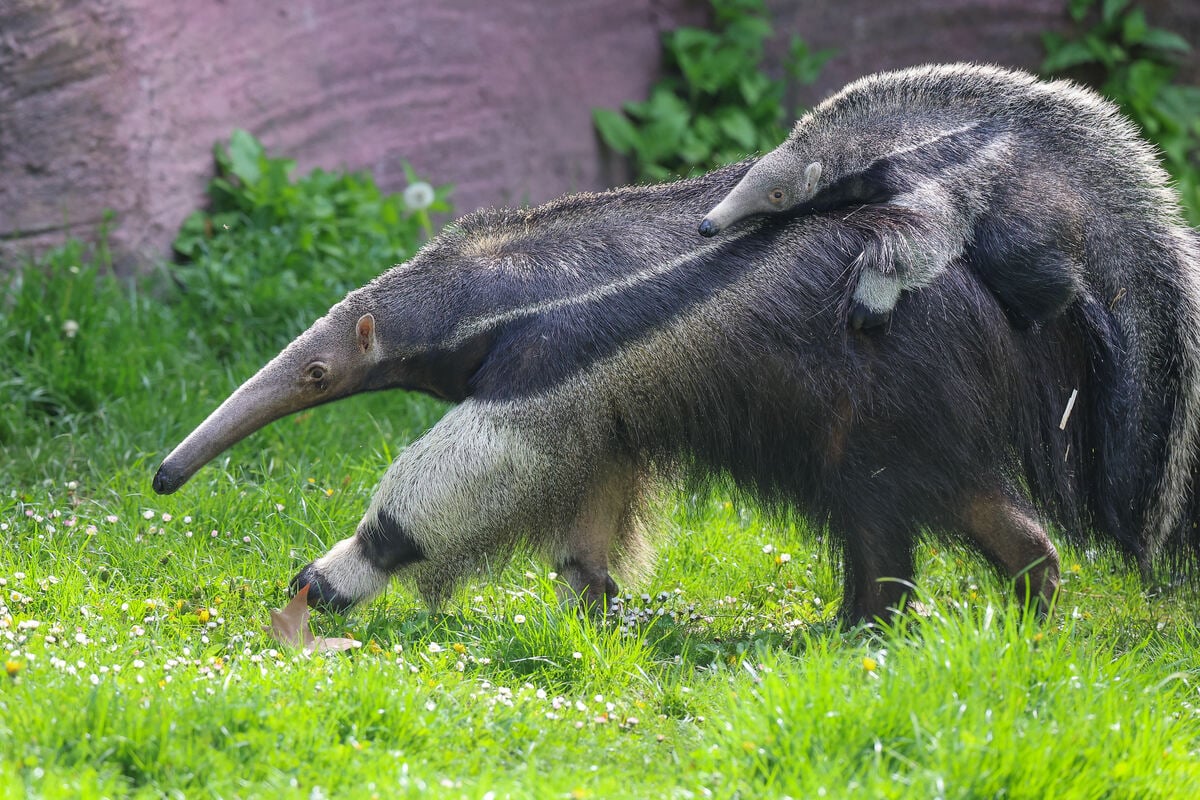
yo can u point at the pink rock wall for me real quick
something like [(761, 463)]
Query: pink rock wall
[(115, 104), (871, 36)]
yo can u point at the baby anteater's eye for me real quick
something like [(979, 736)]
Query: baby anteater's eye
[(776, 196)]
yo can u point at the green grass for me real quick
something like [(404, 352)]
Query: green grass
[(136, 663)]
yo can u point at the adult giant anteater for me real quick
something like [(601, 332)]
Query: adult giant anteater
[(596, 348)]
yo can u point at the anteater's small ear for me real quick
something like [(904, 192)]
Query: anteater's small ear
[(366, 332), (812, 174)]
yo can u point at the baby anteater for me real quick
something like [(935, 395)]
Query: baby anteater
[(1010, 171)]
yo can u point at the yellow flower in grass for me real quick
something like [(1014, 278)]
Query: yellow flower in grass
[(869, 664), (12, 667)]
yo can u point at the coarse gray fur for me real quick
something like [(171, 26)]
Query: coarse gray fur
[(1015, 171), (595, 347)]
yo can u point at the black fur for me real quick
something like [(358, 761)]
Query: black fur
[(596, 343), (877, 436), (386, 545), (320, 593)]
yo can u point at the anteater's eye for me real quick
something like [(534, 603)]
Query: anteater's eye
[(316, 372), (776, 195)]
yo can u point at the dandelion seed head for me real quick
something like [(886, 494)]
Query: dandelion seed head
[(418, 196)]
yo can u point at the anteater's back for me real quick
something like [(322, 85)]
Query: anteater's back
[(1058, 126)]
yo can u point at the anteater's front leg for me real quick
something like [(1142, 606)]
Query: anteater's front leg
[(908, 252), (454, 501), (878, 288)]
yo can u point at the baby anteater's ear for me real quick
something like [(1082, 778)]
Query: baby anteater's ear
[(812, 174), (365, 329)]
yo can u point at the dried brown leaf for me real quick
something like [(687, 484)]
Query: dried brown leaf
[(289, 626), (321, 644)]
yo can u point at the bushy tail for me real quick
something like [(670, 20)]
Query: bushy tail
[(1172, 529), (1077, 426), (1122, 466)]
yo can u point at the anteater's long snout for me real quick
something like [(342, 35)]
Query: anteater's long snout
[(255, 404), (166, 481), (724, 214)]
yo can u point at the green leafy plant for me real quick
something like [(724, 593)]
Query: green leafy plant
[(67, 325), (270, 255), (716, 104), (1136, 66), (273, 252)]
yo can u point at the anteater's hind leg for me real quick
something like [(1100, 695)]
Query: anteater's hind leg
[(1005, 528), (1031, 255), (879, 569), (583, 555)]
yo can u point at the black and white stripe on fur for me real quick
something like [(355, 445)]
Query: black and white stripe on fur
[(598, 351), (1028, 178)]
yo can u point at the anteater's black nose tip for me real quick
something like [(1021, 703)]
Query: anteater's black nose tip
[(708, 228), (163, 484)]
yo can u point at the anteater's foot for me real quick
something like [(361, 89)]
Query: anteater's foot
[(594, 602), (864, 318), (321, 595)]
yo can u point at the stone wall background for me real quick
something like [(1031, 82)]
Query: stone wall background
[(115, 104)]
